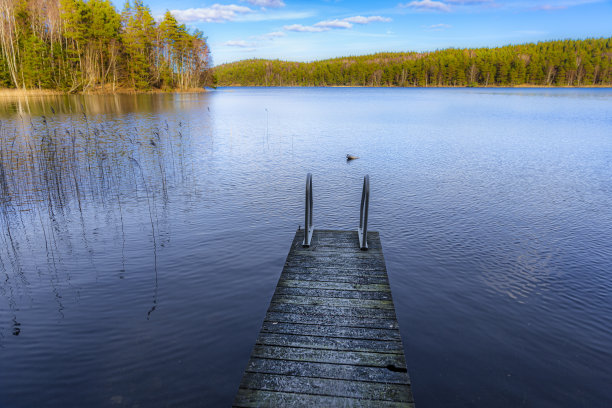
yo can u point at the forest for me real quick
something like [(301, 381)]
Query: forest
[(551, 63), (88, 46)]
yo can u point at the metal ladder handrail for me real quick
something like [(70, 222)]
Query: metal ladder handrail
[(363, 214), (308, 228)]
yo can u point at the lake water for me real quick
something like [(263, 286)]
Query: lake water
[(143, 236)]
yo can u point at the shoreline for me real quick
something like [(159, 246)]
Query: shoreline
[(420, 87), (12, 92), (20, 93)]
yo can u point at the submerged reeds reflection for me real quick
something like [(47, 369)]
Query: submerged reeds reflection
[(61, 181)]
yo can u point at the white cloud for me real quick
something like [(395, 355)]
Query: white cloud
[(239, 43), (327, 25), (334, 24), (214, 14), (305, 29), (271, 15), (366, 20), (426, 5), (266, 3)]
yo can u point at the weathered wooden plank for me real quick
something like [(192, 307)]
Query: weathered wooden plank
[(332, 312), (338, 243), (342, 242), (314, 276), (334, 234), (365, 269), (330, 336), (338, 233), (363, 265), (345, 294), (338, 254), (332, 320), (342, 267), (319, 242), (323, 386), (266, 399), (336, 270), (338, 286), (332, 331), (344, 234), (329, 343), (300, 300), (326, 370), (334, 259), (377, 359), (345, 250)]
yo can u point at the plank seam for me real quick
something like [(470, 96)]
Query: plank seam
[(309, 304), (333, 325), (327, 378), (349, 399), (306, 348), (331, 289), (332, 395), (337, 337)]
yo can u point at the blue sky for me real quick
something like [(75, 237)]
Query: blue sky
[(311, 30)]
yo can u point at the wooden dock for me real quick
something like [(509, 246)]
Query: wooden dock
[(330, 336)]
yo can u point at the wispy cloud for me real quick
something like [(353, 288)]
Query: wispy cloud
[(469, 1), (426, 5), (335, 24), (214, 14), (239, 43), (270, 36), (305, 29), (274, 34), (534, 5), (549, 7), (266, 3), (438, 27), (366, 20), (270, 15)]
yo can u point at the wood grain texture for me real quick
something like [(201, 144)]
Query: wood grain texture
[(330, 336)]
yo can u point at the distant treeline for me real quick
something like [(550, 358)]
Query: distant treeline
[(551, 63), (83, 45)]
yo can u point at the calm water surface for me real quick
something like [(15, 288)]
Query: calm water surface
[(142, 237)]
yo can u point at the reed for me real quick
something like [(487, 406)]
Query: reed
[(56, 172)]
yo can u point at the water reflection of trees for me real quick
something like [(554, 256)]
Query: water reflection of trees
[(37, 105), (59, 177)]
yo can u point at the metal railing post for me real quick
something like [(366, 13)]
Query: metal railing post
[(363, 214), (308, 228)]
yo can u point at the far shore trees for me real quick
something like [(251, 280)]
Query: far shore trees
[(552, 63)]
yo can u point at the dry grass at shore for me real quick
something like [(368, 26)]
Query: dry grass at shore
[(17, 93), (6, 92)]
